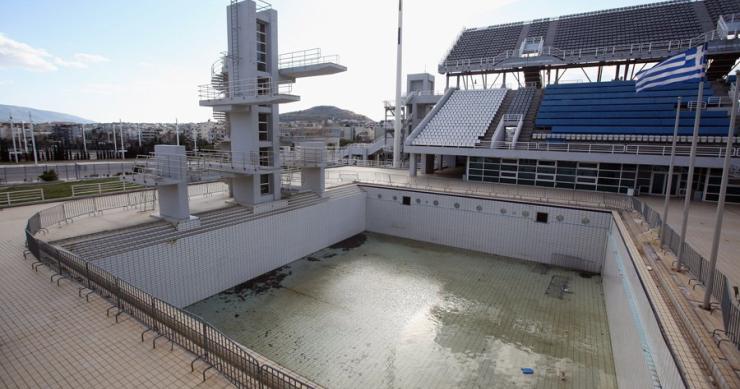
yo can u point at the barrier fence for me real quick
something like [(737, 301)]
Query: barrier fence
[(65, 171), (18, 197), (185, 329), (698, 268)]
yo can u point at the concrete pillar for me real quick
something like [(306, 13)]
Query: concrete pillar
[(312, 178), (171, 165), (173, 202), (245, 189), (412, 165), (427, 163)]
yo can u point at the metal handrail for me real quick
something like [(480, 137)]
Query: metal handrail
[(262, 5), (305, 58), (600, 148), (250, 87), (241, 160), (660, 47)]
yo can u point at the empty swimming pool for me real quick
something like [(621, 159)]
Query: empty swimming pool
[(379, 311)]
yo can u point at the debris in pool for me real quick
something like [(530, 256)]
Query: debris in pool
[(236, 315), (312, 259), (527, 370), (261, 284), (350, 243)]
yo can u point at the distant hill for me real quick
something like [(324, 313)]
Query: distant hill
[(39, 116), (322, 112)]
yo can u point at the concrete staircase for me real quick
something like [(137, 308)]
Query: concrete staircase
[(502, 110), (108, 243), (528, 126)]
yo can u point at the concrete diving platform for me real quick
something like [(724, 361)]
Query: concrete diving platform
[(321, 69)]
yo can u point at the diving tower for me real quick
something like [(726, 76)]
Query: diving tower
[(248, 84)]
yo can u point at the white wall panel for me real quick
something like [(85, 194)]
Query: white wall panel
[(491, 226), (640, 352), (187, 270)]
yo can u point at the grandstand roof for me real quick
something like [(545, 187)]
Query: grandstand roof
[(678, 21)]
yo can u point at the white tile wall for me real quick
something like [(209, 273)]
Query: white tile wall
[(185, 271), (498, 227), (628, 318)]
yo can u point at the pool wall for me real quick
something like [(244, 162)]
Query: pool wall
[(571, 237), (642, 358), (193, 268), (190, 269)]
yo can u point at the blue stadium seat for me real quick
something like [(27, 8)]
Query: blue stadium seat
[(614, 108)]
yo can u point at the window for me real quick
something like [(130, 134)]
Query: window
[(261, 46), (263, 86), (265, 187), (406, 200), (265, 153), (263, 122), (542, 217)]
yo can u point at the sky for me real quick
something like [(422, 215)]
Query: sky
[(141, 60)]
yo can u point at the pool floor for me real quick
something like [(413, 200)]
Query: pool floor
[(382, 312)]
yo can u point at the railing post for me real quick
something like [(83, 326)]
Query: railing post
[(100, 190), (42, 194), (87, 274), (7, 195), (205, 340)]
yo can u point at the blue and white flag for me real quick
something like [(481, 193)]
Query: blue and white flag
[(689, 65)]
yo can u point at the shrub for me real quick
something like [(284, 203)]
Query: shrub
[(49, 175)]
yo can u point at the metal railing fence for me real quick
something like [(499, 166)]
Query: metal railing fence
[(600, 148), (19, 197), (180, 327), (698, 268), (246, 88), (305, 58), (100, 188), (493, 190)]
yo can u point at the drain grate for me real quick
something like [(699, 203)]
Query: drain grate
[(558, 286)]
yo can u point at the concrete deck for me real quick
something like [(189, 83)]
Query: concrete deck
[(51, 338), (701, 230)]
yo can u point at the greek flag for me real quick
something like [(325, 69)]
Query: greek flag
[(686, 66)]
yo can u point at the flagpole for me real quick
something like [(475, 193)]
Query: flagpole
[(12, 135), (692, 160), (115, 144), (670, 173), (120, 130), (84, 142), (25, 140), (721, 200), (33, 140)]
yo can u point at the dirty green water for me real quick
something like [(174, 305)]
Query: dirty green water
[(384, 312)]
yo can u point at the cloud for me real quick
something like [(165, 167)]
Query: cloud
[(90, 58), (21, 55), (18, 54)]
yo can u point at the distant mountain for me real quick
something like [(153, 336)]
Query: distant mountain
[(39, 116), (322, 112)]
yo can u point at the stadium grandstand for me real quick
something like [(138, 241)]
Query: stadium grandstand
[(553, 102)]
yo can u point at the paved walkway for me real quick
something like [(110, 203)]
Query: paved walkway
[(51, 338), (701, 229)]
